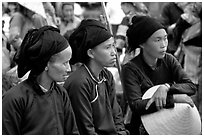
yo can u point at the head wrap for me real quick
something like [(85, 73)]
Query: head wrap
[(37, 48), (141, 29), (88, 35)]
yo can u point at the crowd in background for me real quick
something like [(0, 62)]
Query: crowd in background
[(181, 19)]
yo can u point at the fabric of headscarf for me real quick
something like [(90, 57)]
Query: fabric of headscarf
[(140, 30), (88, 35), (38, 46)]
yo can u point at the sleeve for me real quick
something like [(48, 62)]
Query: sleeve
[(70, 121), (117, 111), (132, 90), (181, 26), (182, 84), (12, 112), (81, 105)]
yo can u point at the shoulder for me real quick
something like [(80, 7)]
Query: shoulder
[(17, 92), (107, 73), (132, 64), (77, 19), (169, 57), (77, 78)]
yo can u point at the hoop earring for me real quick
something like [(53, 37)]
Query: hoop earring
[(46, 68)]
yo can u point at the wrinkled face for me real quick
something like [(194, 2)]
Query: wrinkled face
[(68, 12), (58, 66), (105, 53), (156, 45)]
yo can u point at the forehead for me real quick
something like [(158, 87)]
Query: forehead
[(107, 42), (159, 34), (64, 55), (67, 6)]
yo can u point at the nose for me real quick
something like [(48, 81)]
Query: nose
[(113, 51), (68, 68), (164, 43)]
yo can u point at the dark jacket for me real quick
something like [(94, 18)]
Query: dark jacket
[(94, 103), (138, 77), (27, 110)]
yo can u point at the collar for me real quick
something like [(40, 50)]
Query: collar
[(146, 65), (93, 77)]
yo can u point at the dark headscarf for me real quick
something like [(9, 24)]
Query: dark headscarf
[(88, 35), (37, 48), (141, 29)]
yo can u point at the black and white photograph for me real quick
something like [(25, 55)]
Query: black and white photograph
[(101, 67)]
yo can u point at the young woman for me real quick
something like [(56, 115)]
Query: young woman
[(91, 87), (39, 105), (153, 66)]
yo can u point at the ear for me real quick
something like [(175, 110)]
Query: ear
[(90, 53)]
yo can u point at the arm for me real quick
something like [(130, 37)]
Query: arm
[(81, 104), (70, 127), (182, 84), (133, 90), (15, 28), (11, 114), (117, 111)]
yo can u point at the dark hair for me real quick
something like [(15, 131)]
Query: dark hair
[(67, 3)]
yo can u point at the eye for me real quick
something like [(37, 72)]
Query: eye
[(108, 46), (66, 63)]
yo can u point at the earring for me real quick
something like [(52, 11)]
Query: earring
[(46, 68)]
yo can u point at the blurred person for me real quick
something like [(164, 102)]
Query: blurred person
[(91, 87), (92, 10), (170, 14), (51, 18), (38, 105), (130, 9), (21, 21), (153, 66), (69, 22), (188, 35)]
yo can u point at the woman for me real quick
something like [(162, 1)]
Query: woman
[(153, 66), (39, 105), (91, 86)]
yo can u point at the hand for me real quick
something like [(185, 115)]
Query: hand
[(159, 97), (183, 98)]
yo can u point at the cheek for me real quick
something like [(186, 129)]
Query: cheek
[(57, 70)]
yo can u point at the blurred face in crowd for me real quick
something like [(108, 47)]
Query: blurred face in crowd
[(58, 66), (92, 14), (104, 54), (156, 45), (127, 8), (68, 12), (193, 8)]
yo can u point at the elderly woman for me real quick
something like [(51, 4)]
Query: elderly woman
[(39, 105), (153, 66), (91, 86)]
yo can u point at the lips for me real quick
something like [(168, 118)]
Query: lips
[(66, 76)]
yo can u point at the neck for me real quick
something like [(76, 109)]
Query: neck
[(151, 61), (44, 81), (95, 68)]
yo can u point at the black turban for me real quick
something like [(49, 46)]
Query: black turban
[(88, 35), (37, 48), (141, 29)]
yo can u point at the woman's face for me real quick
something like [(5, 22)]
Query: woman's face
[(156, 45), (59, 67), (105, 53)]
